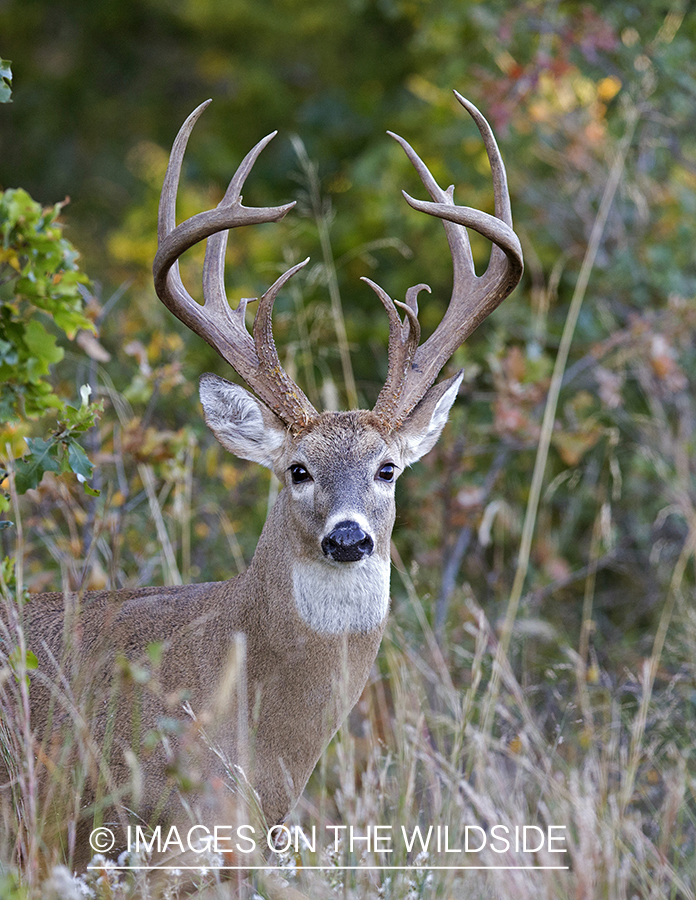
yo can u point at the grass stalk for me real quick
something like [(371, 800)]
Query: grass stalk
[(651, 665), (171, 570), (587, 622), (320, 213), (186, 490), (27, 770), (615, 173)]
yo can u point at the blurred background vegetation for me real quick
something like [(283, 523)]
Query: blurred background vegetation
[(578, 93), (99, 93)]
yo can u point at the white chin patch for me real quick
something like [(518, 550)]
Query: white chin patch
[(343, 597)]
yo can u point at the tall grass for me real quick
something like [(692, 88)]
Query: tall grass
[(609, 766)]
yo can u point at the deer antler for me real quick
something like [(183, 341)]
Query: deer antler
[(254, 358), (412, 368)]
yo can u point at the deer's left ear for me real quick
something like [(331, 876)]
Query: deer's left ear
[(422, 428)]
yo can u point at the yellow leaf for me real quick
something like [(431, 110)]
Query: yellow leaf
[(9, 256), (572, 446), (608, 88)]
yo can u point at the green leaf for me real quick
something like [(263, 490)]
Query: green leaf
[(8, 399), (76, 420), (79, 462), (71, 321), (42, 457), (30, 660), (42, 345)]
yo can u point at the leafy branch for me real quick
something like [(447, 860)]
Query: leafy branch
[(62, 451), (40, 295)]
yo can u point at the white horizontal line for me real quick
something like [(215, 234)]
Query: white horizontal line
[(320, 868)]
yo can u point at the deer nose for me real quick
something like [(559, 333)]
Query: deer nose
[(347, 543)]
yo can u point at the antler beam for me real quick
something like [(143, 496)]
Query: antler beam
[(412, 368), (255, 357)]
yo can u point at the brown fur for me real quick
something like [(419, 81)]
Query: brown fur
[(300, 684)]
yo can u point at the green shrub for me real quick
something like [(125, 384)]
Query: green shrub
[(41, 293)]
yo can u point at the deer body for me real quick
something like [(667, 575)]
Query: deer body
[(294, 691), (312, 624), (259, 672)]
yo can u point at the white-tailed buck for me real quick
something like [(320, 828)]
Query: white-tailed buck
[(258, 672)]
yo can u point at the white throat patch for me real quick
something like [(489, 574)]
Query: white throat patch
[(345, 597)]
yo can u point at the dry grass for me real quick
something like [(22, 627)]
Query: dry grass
[(607, 763)]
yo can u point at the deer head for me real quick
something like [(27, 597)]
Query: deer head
[(338, 469)]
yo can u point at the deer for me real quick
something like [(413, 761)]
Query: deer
[(259, 671)]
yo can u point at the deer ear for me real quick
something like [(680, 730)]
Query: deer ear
[(422, 428), (242, 424)]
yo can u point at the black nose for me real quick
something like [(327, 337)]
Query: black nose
[(347, 543)]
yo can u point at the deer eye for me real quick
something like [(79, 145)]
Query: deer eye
[(299, 474), (386, 472)]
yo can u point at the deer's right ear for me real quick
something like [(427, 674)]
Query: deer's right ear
[(243, 424)]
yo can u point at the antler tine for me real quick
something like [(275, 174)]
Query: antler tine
[(501, 195), (166, 221), (473, 297), (263, 330), (488, 226), (403, 343), (457, 237), (255, 359)]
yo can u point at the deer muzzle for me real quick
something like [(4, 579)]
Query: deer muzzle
[(347, 542)]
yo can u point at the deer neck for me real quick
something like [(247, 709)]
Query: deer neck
[(316, 637), (308, 591), (331, 600)]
